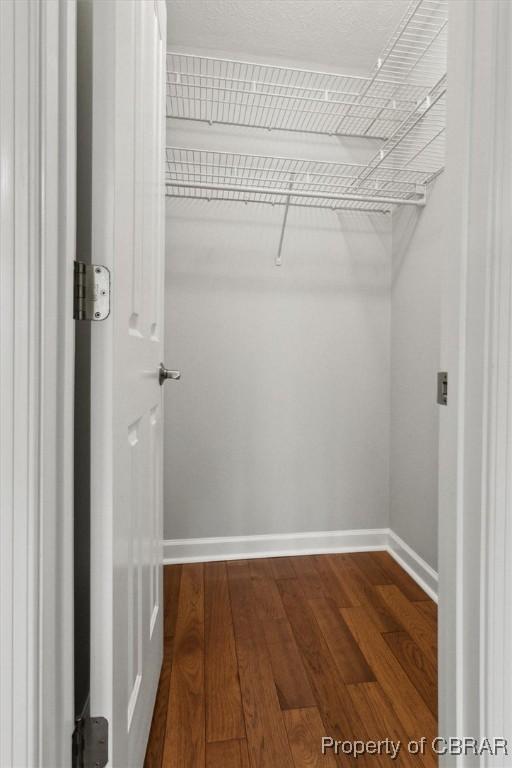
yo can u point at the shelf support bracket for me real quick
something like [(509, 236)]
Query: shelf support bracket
[(279, 259)]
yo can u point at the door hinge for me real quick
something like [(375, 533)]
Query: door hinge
[(90, 743), (442, 388), (91, 292)]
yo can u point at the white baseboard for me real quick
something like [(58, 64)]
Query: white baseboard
[(422, 573), (273, 545), (307, 543)]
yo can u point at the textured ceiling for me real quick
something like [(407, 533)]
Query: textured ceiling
[(337, 34)]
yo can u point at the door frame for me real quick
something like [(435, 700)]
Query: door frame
[(37, 211), (475, 428), (475, 542)]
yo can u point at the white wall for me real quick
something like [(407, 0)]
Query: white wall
[(415, 352), (281, 420)]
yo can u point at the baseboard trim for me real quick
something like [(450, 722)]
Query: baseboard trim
[(306, 543), (422, 573), (273, 545)]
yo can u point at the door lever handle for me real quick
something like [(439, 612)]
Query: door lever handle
[(164, 373)]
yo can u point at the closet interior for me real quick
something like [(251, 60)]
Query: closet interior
[(310, 403), (303, 438)]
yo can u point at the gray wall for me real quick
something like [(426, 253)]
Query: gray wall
[(308, 393), (281, 420), (415, 354)]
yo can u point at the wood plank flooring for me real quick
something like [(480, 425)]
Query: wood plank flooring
[(264, 657)]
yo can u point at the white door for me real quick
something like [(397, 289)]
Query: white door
[(127, 223)]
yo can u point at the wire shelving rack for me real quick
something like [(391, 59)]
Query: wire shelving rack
[(402, 103), (280, 98), (206, 174)]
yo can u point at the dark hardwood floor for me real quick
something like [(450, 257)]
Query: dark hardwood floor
[(264, 657)]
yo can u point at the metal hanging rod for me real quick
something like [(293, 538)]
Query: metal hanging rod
[(296, 193)]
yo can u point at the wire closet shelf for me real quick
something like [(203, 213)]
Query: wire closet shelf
[(402, 104), (205, 174)]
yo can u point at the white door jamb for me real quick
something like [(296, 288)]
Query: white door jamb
[(475, 502), (37, 214)]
